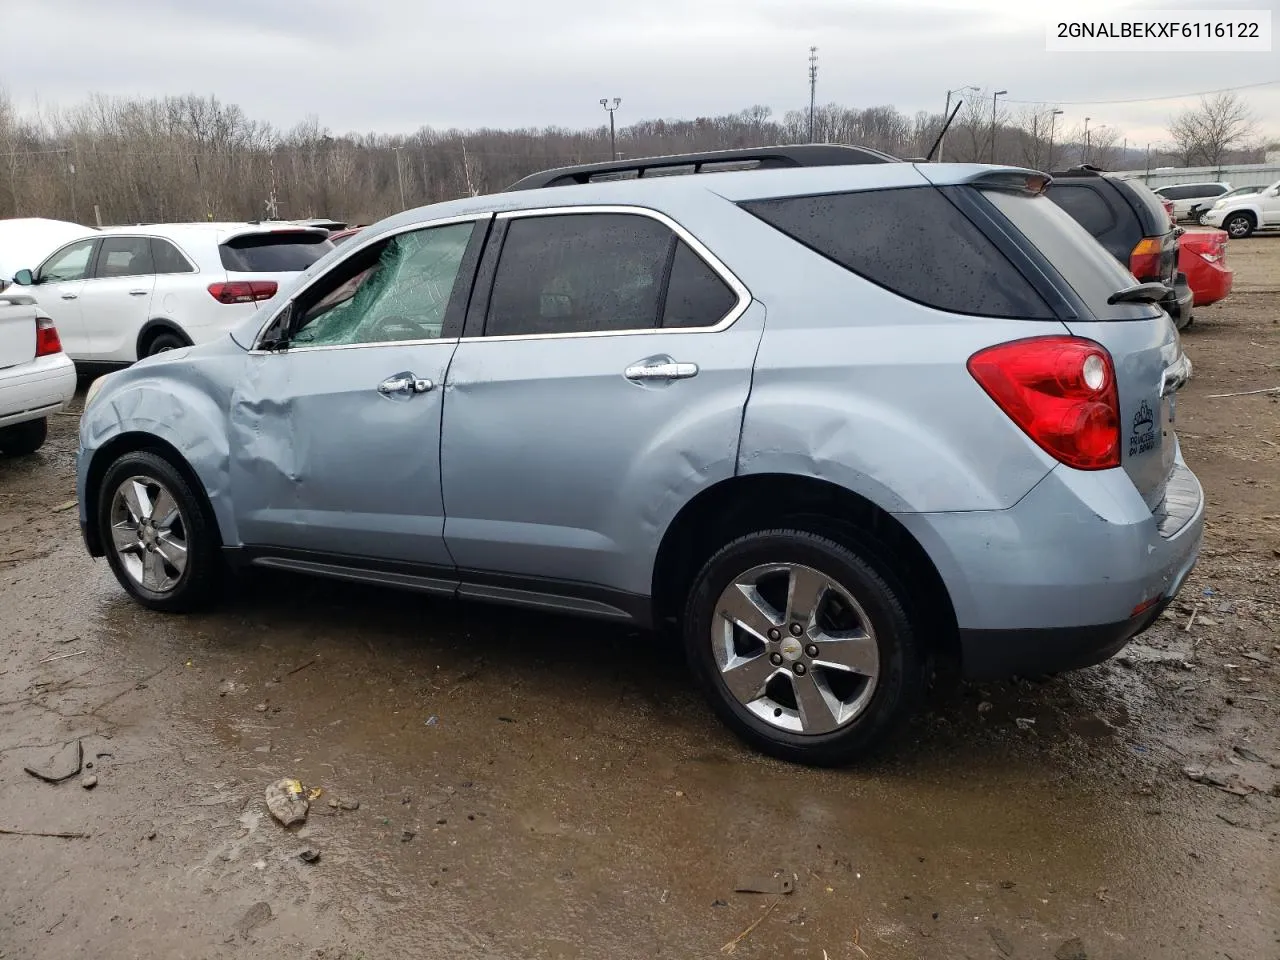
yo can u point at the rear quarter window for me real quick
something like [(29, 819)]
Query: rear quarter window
[(912, 241), (275, 252)]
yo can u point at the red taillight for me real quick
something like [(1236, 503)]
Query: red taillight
[(243, 291), (47, 341), (1144, 261), (1061, 391)]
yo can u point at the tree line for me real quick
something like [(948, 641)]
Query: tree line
[(133, 160)]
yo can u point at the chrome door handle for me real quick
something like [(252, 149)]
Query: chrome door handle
[(406, 384), (138, 293), (660, 369), (69, 296)]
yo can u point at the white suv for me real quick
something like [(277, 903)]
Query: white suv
[(1241, 215), (129, 292), (1187, 195)]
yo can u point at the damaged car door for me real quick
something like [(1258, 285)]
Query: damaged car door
[(336, 425)]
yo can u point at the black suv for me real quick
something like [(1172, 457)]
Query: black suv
[(1129, 220)]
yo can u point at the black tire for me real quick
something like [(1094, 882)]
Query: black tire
[(198, 581), (163, 342), (23, 438), (900, 681), (1239, 225)]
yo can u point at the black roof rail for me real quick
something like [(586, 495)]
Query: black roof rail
[(752, 158)]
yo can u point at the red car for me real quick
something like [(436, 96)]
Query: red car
[(1202, 256)]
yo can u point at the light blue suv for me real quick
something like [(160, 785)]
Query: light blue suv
[(835, 422)]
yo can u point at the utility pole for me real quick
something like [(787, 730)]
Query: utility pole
[(994, 97), (946, 115), (400, 177), (1053, 118), (613, 139), (1086, 139), (813, 87)]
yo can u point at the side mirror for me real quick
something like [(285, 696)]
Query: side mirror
[(277, 335), (24, 278)]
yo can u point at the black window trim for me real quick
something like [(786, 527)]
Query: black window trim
[(474, 332), (353, 248)]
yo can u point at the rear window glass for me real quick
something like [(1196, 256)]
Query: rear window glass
[(1084, 263), (1149, 208), (1086, 205), (911, 241), (280, 252)]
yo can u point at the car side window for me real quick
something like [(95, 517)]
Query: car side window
[(696, 295), (579, 273), (69, 263), (390, 291), (167, 258), (124, 257), (1087, 207), (1216, 190)]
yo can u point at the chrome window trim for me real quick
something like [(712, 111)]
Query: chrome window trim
[(697, 246), (351, 248)]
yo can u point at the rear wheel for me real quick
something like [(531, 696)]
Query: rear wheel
[(1239, 225), (159, 540), (801, 647), (23, 438), (163, 342)]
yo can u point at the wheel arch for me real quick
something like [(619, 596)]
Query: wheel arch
[(113, 450), (153, 328), (742, 504)]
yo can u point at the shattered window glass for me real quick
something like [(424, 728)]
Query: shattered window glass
[(401, 295)]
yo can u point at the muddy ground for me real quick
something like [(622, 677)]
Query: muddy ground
[(530, 786)]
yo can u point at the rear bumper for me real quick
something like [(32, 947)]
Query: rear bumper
[(1066, 576), (36, 389), (1180, 304), (996, 654), (1210, 282)]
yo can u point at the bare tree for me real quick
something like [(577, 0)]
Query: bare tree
[(1218, 124)]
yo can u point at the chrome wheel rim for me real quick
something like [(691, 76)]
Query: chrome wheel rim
[(1238, 227), (148, 534), (795, 648)]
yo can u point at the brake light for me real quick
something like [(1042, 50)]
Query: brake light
[(47, 340), (1144, 260), (1061, 391), (243, 291)]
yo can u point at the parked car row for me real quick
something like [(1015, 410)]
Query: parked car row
[(1240, 215), (123, 293), (834, 418)]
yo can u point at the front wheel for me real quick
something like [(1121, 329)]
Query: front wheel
[(1238, 226), (802, 648), (24, 438), (159, 540)]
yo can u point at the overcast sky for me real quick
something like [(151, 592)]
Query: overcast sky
[(395, 65)]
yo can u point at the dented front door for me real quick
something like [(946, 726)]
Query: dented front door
[(336, 451)]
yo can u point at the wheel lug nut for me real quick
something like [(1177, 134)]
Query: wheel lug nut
[(796, 629), (799, 669), (811, 649), (775, 634), (776, 659)]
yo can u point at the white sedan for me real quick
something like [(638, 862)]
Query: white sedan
[(36, 378)]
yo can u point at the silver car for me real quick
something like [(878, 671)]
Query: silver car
[(835, 423)]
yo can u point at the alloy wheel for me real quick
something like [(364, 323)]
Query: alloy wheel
[(148, 534)]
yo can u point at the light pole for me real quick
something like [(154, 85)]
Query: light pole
[(1086, 139), (400, 177), (946, 115), (613, 140), (1053, 118), (813, 87), (994, 97)]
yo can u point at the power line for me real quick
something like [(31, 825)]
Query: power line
[(1175, 96)]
